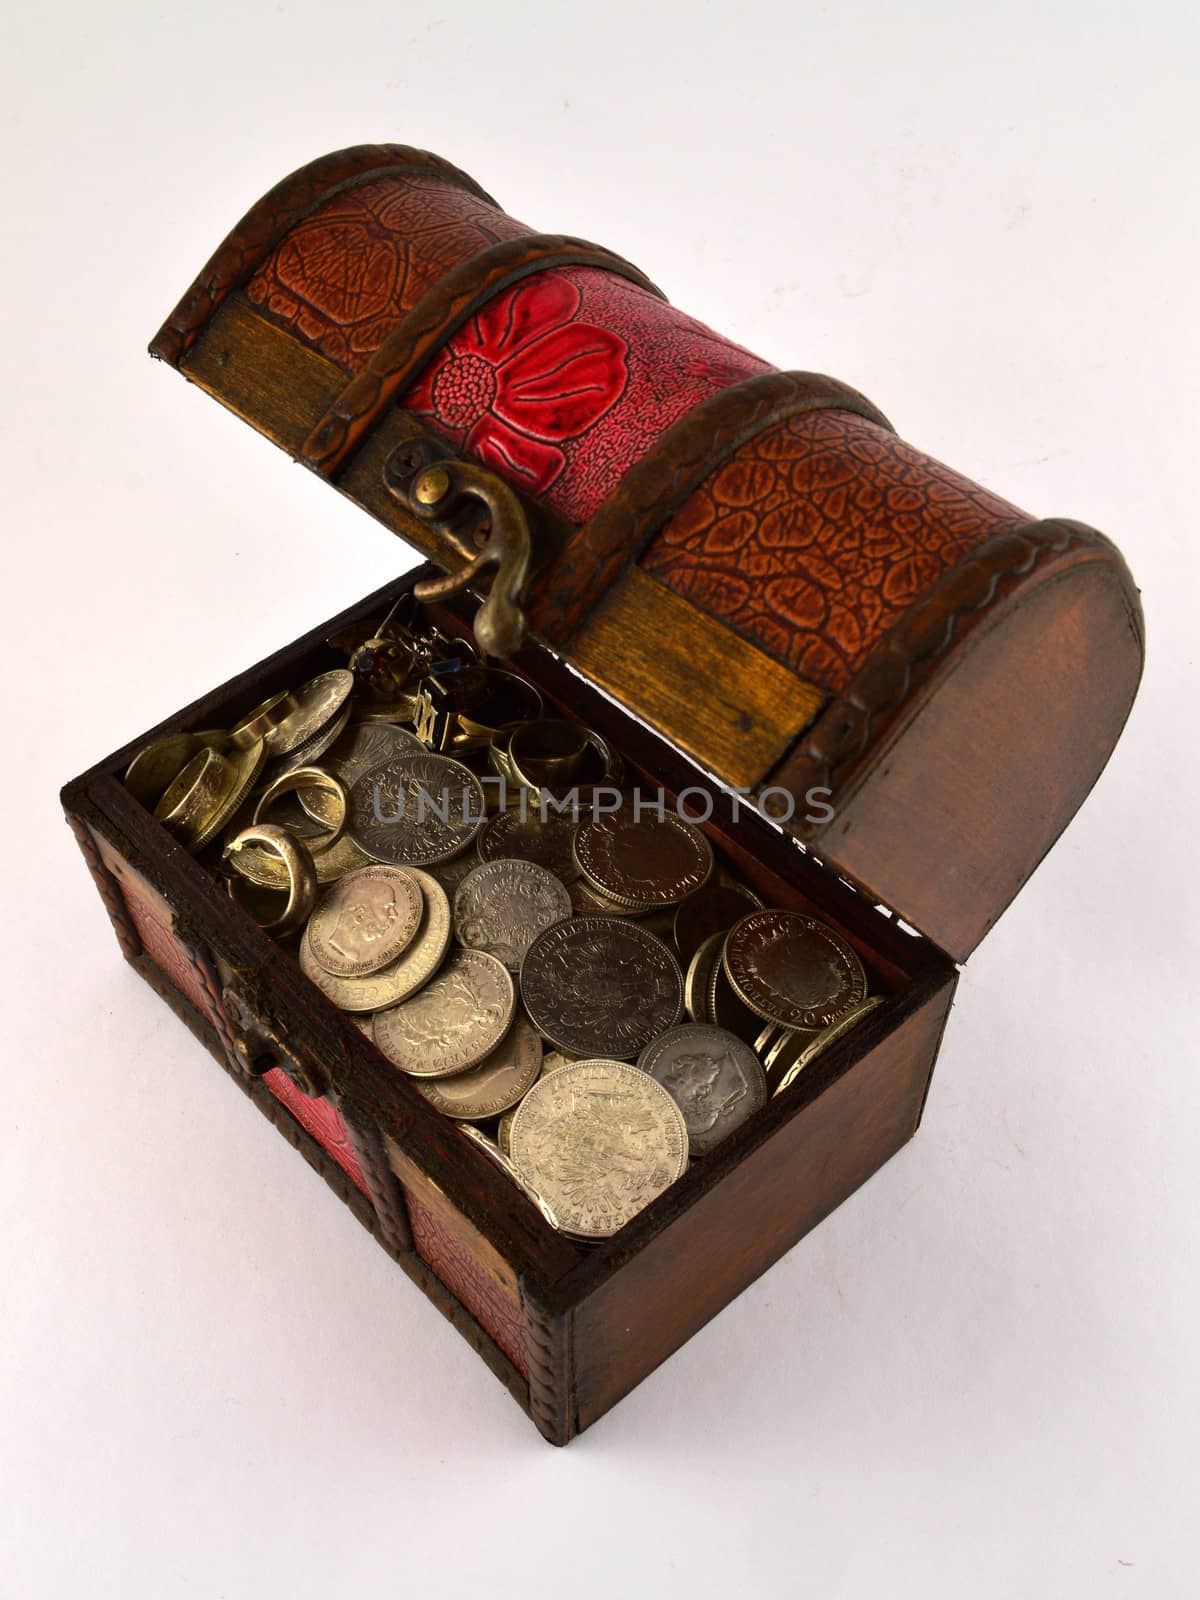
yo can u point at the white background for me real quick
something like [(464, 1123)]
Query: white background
[(980, 1376)]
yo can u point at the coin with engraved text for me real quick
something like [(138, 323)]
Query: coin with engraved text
[(415, 809), (503, 905), (453, 1022), (601, 985), (791, 969), (714, 1078), (366, 921)]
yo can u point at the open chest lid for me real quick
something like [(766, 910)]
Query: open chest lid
[(914, 678)]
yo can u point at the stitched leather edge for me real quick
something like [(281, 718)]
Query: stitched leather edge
[(234, 261), (658, 484), (547, 1350), (436, 316)]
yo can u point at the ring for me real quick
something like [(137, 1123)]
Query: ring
[(296, 858), (547, 754), (193, 793), (310, 778), (258, 723)]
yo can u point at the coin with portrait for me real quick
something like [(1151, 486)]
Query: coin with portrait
[(366, 921), (503, 905), (413, 969), (792, 969), (496, 1084), (713, 1076)]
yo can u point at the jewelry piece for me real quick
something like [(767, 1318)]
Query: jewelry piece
[(547, 754), (259, 722), (466, 707), (158, 764), (208, 792), (311, 778), (298, 863)]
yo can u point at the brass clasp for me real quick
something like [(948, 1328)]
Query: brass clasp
[(482, 518)]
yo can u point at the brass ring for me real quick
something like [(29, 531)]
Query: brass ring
[(310, 778), (258, 723), (565, 746), (298, 861)]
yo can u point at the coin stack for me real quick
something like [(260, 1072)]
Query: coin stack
[(583, 987)]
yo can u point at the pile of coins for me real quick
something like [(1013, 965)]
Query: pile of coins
[(558, 963)]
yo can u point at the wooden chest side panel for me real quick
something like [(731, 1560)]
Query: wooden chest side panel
[(465, 1263), (657, 1300)]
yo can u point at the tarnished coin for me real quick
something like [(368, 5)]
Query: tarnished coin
[(502, 906), (726, 1009), (497, 1083), (643, 857), (713, 909), (789, 1062), (416, 808), (547, 840), (451, 873), (552, 1060), (699, 972), (791, 969), (598, 1141), (317, 703), (601, 985), (361, 747), (404, 977), (366, 921), (453, 1022), (713, 1077)]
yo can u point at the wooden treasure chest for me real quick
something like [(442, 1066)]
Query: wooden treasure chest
[(880, 691)]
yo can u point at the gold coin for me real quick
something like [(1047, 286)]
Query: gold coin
[(157, 765), (457, 1019), (208, 792), (700, 968), (498, 1082), (815, 1047), (404, 977), (366, 921), (256, 724)]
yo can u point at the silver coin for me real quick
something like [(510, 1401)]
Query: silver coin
[(714, 1078), (366, 921), (601, 986), (361, 747), (404, 977), (415, 809), (453, 1022), (597, 1141), (791, 969), (496, 1084), (502, 906)]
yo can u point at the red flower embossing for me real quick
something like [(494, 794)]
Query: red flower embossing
[(521, 377)]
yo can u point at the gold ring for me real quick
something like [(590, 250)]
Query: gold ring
[(548, 753), (296, 858), (311, 778), (258, 723)]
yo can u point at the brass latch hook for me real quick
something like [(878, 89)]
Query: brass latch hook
[(498, 538)]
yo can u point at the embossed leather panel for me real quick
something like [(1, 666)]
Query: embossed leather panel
[(450, 1257), (321, 1120), (344, 277), (561, 382), (815, 536)]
